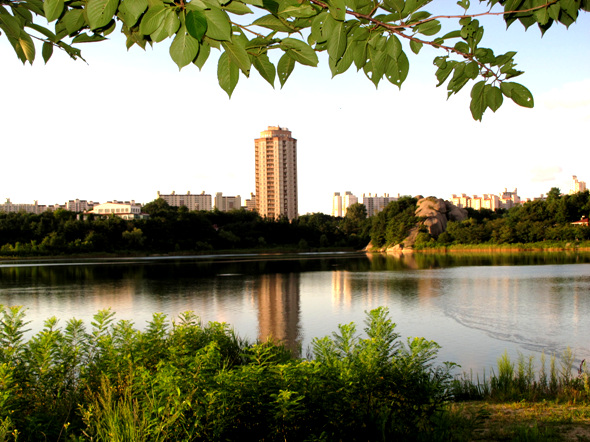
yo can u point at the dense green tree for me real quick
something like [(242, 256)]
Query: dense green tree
[(374, 35)]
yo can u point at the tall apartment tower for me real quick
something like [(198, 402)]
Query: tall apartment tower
[(276, 173)]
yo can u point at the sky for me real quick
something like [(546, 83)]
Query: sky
[(128, 124)]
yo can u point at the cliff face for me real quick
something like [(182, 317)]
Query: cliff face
[(434, 214)]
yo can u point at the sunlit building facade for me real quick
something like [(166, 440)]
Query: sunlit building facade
[(577, 186), (191, 201), (276, 173)]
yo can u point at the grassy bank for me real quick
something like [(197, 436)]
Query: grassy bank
[(545, 246)]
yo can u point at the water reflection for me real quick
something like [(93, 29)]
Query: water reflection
[(475, 306), (278, 307)]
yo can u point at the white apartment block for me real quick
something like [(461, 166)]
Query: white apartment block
[(576, 186), (341, 203), (191, 201), (227, 203), (122, 209), (276, 173), (79, 205), (375, 204), (504, 200), (10, 207)]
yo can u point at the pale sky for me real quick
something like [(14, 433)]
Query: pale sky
[(128, 124)]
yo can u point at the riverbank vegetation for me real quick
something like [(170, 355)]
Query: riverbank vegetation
[(182, 380), (536, 225), (171, 230)]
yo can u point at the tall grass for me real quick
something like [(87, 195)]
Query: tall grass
[(561, 381)]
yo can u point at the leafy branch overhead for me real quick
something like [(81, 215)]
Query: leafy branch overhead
[(374, 35)]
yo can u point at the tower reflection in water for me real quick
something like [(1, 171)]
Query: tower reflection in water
[(279, 308)]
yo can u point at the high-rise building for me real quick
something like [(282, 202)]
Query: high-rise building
[(276, 173), (341, 203)]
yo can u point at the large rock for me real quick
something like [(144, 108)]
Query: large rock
[(436, 212)]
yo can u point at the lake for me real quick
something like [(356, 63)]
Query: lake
[(475, 306)]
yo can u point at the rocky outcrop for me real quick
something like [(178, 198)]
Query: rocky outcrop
[(434, 214)]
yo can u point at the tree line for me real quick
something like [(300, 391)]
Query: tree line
[(178, 230), (546, 220), (172, 229)]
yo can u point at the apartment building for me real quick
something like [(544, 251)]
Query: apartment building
[(576, 186), (341, 203), (227, 203), (191, 201), (10, 207), (276, 173), (504, 200), (375, 204)]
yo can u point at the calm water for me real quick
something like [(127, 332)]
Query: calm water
[(476, 307)]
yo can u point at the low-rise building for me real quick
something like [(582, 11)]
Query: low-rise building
[(122, 209)]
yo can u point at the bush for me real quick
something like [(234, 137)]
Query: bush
[(186, 381)]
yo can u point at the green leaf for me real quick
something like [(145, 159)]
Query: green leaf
[(428, 28), (196, 24), (319, 33), (85, 38), (74, 20), (27, 47), (493, 97), (218, 25), (47, 51), (284, 68), (518, 93), (238, 55), (415, 46), (274, 23), (297, 11), (152, 19), (393, 47), (265, 68), (299, 51), (337, 9), (53, 9), (478, 104), (204, 52), (168, 27), (184, 48), (238, 8), (397, 70), (131, 10), (342, 65), (337, 42), (228, 74), (10, 25), (100, 12)]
